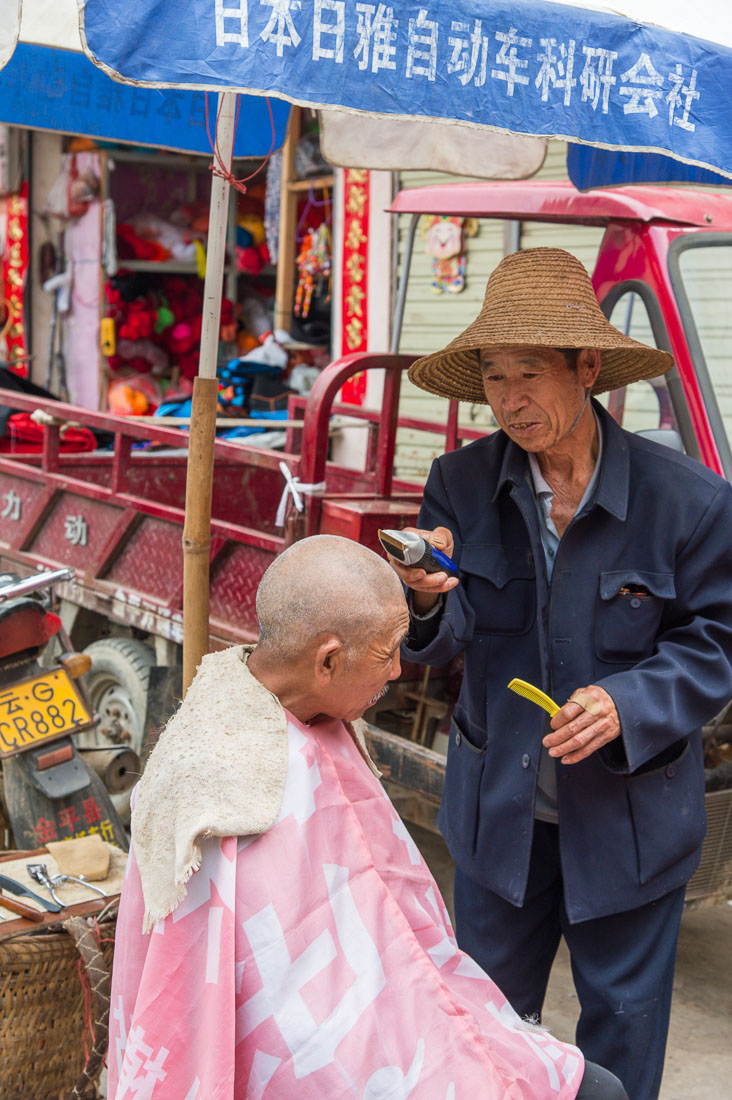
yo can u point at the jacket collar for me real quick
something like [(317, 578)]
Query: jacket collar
[(613, 480)]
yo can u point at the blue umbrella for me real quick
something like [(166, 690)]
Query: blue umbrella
[(636, 82), (48, 83)]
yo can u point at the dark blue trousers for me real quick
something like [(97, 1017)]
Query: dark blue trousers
[(622, 965)]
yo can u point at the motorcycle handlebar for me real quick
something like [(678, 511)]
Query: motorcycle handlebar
[(35, 582)]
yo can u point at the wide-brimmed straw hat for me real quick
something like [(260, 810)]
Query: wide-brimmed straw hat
[(540, 297)]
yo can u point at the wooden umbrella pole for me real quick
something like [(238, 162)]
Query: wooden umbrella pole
[(197, 527), (199, 480)]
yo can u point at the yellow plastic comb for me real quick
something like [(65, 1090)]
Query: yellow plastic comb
[(534, 695)]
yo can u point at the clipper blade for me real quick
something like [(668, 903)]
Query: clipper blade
[(394, 543)]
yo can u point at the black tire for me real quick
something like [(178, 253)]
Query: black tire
[(118, 685)]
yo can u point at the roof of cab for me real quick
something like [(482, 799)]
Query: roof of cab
[(540, 200)]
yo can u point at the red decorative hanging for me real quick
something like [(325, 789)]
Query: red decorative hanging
[(14, 270), (355, 277)]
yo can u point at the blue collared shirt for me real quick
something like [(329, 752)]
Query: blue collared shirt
[(546, 791), (544, 495)]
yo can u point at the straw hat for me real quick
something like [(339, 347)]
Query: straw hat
[(541, 297)]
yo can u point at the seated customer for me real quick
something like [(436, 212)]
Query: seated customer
[(280, 935)]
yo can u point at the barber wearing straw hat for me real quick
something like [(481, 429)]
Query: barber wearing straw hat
[(596, 565)]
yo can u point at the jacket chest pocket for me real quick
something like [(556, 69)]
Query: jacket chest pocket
[(500, 586), (629, 613)]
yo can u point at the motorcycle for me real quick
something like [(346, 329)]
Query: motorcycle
[(52, 790)]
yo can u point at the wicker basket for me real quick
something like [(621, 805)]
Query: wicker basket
[(54, 1007)]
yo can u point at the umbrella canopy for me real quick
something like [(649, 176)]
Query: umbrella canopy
[(47, 83), (638, 81)]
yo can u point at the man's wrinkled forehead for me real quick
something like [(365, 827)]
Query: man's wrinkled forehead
[(518, 354), (537, 358)]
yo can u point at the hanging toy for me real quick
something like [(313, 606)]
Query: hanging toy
[(314, 266), (445, 243)]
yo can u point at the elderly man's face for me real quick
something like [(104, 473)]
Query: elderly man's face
[(535, 396), (362, 680)]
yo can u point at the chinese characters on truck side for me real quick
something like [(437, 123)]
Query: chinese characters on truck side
[(76, 528)]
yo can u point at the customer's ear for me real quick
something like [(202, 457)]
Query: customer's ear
[(328, 655)]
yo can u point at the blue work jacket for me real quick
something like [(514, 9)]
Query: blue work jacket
[(641, 604)]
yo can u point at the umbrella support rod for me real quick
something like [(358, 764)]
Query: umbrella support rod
[(216, 249), (197, 527), (396, 331), (199, 477)]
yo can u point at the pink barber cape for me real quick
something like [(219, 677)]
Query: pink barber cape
[(317, 962)]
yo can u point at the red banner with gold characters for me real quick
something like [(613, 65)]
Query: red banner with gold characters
[(355, 277), (14, 269)]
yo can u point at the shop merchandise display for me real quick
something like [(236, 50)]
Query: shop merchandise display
[(147, 237), (152, 322), (257, 384), (156, 349), (73, 190), (123, 252), (153, 318), (313, 261), (157, 323), (272, 204), (314, 268), (252, 252)]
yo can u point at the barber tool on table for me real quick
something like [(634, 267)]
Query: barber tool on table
[(39, 872), (9, 884), (415, 552), (19, 909)]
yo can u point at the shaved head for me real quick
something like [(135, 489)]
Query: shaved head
[(325, 585)]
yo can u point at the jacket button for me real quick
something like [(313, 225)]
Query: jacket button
[(458, 738), (525, 760), (671, 771), (635, 602)]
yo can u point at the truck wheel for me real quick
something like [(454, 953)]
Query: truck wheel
[(117, 683)]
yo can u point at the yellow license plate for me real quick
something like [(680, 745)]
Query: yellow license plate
[(40, 709)]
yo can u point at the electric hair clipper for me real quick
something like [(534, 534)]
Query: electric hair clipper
[(416, 553)]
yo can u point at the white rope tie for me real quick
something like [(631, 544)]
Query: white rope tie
[(296, 489)]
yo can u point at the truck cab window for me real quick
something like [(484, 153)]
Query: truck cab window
[(643, 406), (706, 274)]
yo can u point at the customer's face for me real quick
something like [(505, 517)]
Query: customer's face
[(536, 397), (360, 680)]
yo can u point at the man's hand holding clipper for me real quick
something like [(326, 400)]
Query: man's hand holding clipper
[(427, 586)]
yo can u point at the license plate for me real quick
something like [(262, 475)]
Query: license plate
[(38, 710)]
